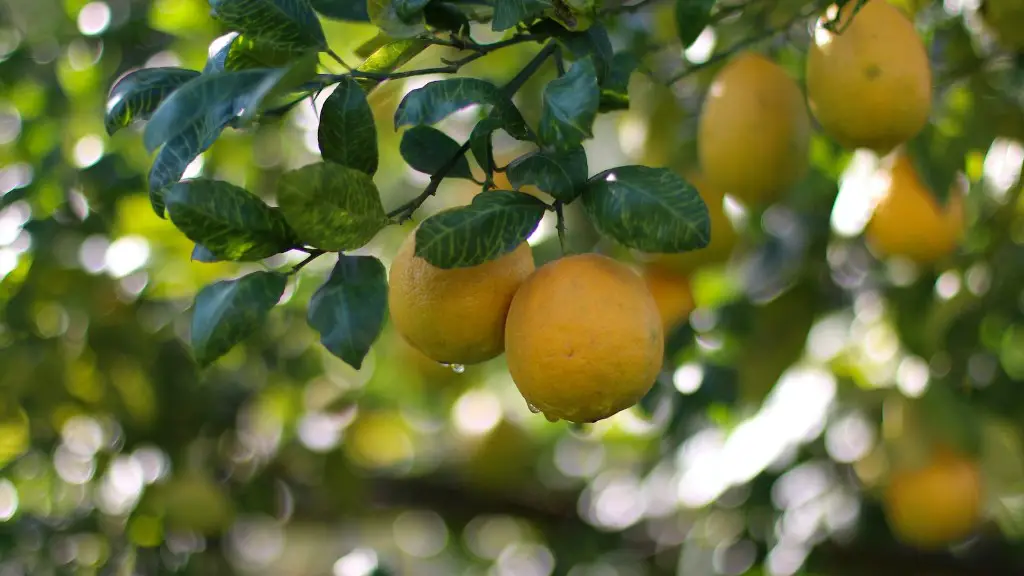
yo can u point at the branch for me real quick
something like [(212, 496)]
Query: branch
[(405, 211), (560, 225), (313, 255), (815, 7)]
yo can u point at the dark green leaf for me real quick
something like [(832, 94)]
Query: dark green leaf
[(427, 149), (347, 133), (138, 94), (494, 224), (615, 87), (389, 58), (286, 23), (351, 10), (349, 309), (692, 17), (330, 206), (437, 100), (366, 49), (385, 15), (443, 16), (937, 158), (508, 13), (217, 98), (201, 254), (562, 175), (480, 141), (649, 209), (227, 312), (228, 221), (570, 106), (409, 9), (246, 53), (593, 42), (175, 156)]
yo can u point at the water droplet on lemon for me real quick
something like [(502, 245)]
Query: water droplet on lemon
[(533, 408), (457, 368)]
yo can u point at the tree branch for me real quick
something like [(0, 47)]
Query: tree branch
[(405, 211), (560, 225)]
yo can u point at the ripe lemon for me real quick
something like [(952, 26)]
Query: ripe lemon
[(671, 293), (723, 235), (937, 504), (909, 222), (754, 131), (455, 316), (583, 339), (871, 85), (1005, 18)]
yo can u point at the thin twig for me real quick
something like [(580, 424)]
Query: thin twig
[(560, 225), (313, 255), (479, 51), (746, 42), (405, 211)]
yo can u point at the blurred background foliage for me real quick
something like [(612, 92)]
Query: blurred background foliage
[(762, 449)]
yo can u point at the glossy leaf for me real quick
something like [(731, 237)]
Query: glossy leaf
[(173, 159), (330, 206), (227, 312), (138, 94), (228, 221), (692, 17), (494, 224), (445, 16), (389, 58), (570, 107), (593, 42), (201, 254), (347, 133), (409, 9), (437, 100), (562, 175), (246, 53), (349, 309), (427, 149), (508, 13), (288, 24), (615, 86), (385, 15), (649, 209), (480, 141), (350, 10), (215, 98)]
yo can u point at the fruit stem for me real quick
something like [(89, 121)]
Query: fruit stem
[(560, 225)]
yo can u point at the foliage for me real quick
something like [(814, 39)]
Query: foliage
[(285, 159)]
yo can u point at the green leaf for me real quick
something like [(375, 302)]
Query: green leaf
[(227, 312), (426, 149), (494, 224), (593, 42), (175, 156), (215, 98), (562, 175), (508, 13), (330, 206), (385, 15), (442, 16), (615, 86), (286, 23), (349, 309), (570, 106), (228, 221), (246, 53), (138, 94), (649, 209), (410, 9), (389, 58), (201, 254), (937, 158), (692, 17), (437, 100), (366, 49), (350, 10), (347, 133)]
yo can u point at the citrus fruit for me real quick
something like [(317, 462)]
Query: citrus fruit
[(671, 293), (937, 504), (723, 235), (754, 132), (583, 338), (1005, 18), (457, 315), (909, 222), (869, 86)]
